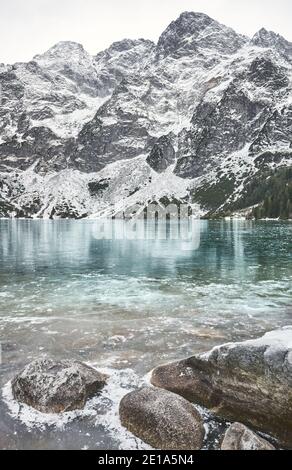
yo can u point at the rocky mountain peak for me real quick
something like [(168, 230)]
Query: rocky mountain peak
[(63, 50), (270, 39), (120, 60), (127, 44), (71, 60), (195, 20), (265, 38), (196, 32), (121, 50)]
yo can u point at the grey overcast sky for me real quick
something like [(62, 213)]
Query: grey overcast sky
[(28, 27)]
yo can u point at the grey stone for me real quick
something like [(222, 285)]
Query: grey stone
[(239, 437), (57, 386)]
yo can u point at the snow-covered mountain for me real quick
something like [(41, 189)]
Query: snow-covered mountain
[(196, 117)]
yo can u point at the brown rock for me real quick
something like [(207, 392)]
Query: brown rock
[(162, 419)]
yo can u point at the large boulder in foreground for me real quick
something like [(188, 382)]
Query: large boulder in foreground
[(250, 382), (162, 419), (57, 386), (239, 437)]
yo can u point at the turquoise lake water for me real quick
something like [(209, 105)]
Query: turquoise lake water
[(128, 304)]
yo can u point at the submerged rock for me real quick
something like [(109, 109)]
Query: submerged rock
[(250, 382), (239, 437), (57, 386), (162, 419)]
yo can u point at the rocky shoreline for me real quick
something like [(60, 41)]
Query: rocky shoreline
[(247, 383)]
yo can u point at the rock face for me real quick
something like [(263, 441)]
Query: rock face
[(264, 38), (201, 31), (57, 386), (162, 155), (250, 382), (195, 114), (239, 437), (162, 419)]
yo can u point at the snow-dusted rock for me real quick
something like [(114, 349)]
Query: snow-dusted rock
[(239, 437), (250, 382), (69, 59), (195, 32), (162, 419), (57, 386), (269, 39)]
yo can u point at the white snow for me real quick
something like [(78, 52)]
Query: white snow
[(66, 125), (274, 340)]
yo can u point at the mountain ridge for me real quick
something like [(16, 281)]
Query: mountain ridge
[(196, 117)]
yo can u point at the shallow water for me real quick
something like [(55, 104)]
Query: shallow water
[(128, 305)]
